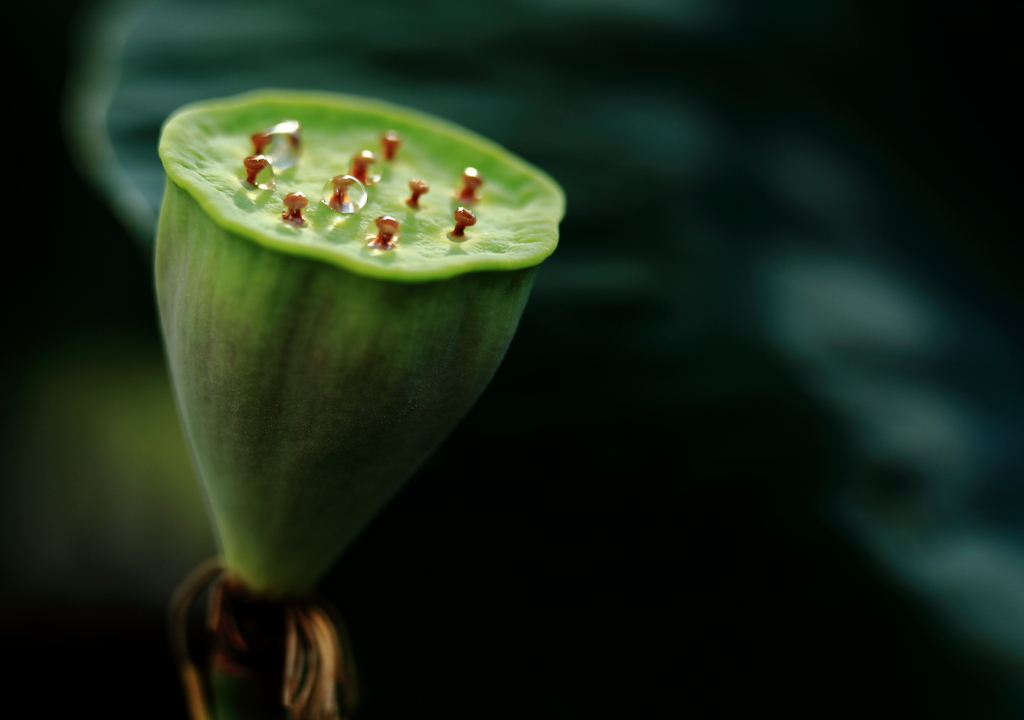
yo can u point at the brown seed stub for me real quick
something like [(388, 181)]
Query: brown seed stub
[(361, 163), (293, 205), (418, 187), (296, 200), (391, 141), (471, 182), (464, 218), (254, 164), (387, 229)]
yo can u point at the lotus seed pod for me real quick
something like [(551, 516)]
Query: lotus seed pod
[(316, 371)]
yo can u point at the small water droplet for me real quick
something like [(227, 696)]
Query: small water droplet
[(280, 143), (471, 182), (259, 173), (344, 194), (364, 168)]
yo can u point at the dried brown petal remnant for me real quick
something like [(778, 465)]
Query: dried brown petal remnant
[(464, 218), (387, 228), (361, 164), (293, 205), (294, 648), (471, 182), (418, 187), (253, 165), (391, 141)]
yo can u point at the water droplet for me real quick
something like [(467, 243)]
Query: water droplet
[(471, 182), (364, 168), (259, 173), (344, 194), (280, 143)]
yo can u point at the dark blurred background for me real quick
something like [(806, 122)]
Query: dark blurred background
[(755, 448)]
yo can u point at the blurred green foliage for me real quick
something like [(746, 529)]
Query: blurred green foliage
[(99, 499)]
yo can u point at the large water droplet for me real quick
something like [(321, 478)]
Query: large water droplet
[(344, 194), (258, 173), (280, 143)]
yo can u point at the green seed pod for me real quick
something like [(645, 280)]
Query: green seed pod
[(320, 352)]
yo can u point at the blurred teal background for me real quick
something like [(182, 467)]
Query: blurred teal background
[(766, 401)]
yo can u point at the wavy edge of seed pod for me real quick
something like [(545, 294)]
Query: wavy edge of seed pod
[(185, 174)]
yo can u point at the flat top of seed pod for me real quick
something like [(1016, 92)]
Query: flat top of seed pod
[(203, 147)]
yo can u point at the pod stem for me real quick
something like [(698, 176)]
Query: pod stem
[(283, 658)]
